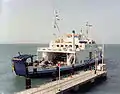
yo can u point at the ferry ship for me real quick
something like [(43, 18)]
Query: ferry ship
[(74, 51)]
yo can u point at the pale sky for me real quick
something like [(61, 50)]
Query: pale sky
[(31, 21)]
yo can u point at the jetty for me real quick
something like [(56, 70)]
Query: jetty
[(67, 83)]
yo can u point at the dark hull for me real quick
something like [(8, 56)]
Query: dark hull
[(52, 72)]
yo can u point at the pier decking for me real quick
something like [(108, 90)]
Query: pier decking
[(59, 86)]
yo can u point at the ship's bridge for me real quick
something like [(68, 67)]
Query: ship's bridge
[(66, 42)]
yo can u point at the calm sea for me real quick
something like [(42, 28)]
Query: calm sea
[(9, 83)]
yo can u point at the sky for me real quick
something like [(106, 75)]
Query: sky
[(31, 21)]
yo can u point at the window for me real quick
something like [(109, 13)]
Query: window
[(93, 42), (28, 60), (83, 42), (61, 45), (89, 42), (70, 45), (76, 46), (57, 45), (80, 45), (65, 45)]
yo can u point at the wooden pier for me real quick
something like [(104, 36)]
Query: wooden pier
[(71, 82)]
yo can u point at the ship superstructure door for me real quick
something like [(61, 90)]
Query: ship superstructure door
[(90, 55)]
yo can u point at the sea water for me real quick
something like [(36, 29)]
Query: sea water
[(10, 83)]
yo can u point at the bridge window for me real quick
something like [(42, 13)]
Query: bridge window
[(89, 42)]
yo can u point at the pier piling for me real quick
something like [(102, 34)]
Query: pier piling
[(28, 82)]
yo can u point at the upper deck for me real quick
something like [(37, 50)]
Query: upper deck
[(69, 43), (69, 49)]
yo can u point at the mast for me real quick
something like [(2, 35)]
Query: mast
[(56, 24), (56, 21)]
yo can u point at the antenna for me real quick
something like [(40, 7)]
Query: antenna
[(56, 20), (81, 31), (88, 25)]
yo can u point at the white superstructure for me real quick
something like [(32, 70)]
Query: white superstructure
[(64, 49)]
